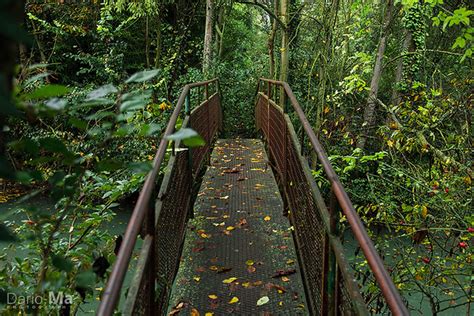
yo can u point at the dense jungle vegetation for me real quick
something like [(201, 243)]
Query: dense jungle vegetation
[(87, 88)]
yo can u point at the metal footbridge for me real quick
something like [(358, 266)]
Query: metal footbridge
[(239, 226)]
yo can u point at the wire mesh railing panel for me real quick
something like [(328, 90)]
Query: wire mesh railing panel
[(172, 217), (306, 215), (163, 226)]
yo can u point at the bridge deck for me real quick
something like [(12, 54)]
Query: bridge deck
[(239, 251)]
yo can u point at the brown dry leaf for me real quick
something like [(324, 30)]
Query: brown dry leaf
[(213, 268), (242, 222), (233, 170), (285, 279), (251, 269), (224, 270), (194, 312), (281, 273), (198, 249)]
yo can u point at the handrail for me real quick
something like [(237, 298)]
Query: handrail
[(113, 288), (386, 284)]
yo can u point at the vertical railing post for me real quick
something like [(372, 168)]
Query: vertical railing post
[(330, 266), (206, 91), (187, 106)]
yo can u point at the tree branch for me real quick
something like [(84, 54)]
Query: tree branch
[(267, 10)]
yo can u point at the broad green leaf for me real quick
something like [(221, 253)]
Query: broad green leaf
[(53, 144), (140, 167), (101, 92), (143, 76), (189, 137), (56, 104), (85, 279), (46, 92), (62, 263)]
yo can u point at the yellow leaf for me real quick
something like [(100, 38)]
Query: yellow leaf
[(212, 296), (197, 279), (246, 284), (229, 280), (267, 218), (213, 268), (424, 211), (209, 314), (249, 262), (229, 228), (390, 143), (290, 261), (234, 300)]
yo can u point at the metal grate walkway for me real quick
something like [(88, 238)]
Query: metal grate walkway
[(238, 257)]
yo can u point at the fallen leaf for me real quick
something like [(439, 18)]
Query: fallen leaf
[(263, 300), (249, 262), (213, 268), (234, 300), (251, 269), (197, 278), (242, 222), (194, 312), (246, 284), (197, 249), (224, 270), (212, 296), (229, 280), (290, 261), (209, 314), (281, 273), (232, 170), (285, 279), (229, 228), (267, 218)]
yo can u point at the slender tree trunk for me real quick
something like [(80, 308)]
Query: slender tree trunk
[(220, 28), (147, 40), (207, 55), (158, 39), (396, 99), (369, 112), (271, 41), (285, 40)]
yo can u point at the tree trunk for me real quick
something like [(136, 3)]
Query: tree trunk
[(396, 99), (271, 41), (284, 47), (158, 39), (207, 54), (147, 40), (220, 28), (369, 112)]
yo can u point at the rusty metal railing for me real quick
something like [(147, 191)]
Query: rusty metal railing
[(162, 226), (329, 282)]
